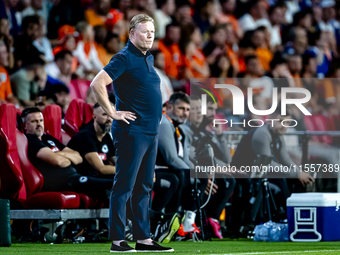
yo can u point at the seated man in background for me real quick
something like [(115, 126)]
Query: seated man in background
[(223, 183), (61, 68), (55, 161), (62, 93), (95, 146), (44, 98), (173, 156), (27, 81), (48, 154)]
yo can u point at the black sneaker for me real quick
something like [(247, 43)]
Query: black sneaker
[(164, 232), (154, 247), (123, 247)]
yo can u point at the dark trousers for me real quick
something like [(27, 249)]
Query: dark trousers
[(168, 195), (135, 166), (219, 200)]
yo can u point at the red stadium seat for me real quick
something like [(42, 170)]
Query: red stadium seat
[(65, 137), (19, 177), (12, 180), (78, 113), (310, 126), (78, 88), (336, 121), (52, 121), (321, 125)]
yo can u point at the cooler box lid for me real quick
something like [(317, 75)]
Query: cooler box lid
[(314, 199)]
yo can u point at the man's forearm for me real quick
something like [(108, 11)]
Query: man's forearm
[(98, 86), (103, 98), (75, 158), (108, 169)]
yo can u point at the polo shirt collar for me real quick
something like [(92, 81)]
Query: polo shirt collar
[(135, 50)]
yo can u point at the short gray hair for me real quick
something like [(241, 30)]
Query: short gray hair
[(140, 18), (2, 43)]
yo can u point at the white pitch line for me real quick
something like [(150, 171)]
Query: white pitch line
[(274, 252)]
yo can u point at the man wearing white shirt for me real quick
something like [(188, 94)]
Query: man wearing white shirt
[(256, 16), (166, 8), (38, 7), (60, 69), (276, 18), (328, 22)]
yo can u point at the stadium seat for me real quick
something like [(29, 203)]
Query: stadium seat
[(310, 126), (52, 121), (321, 125), (78, 113), (65, 137), (78, 88), (12, 184), (20, 178)]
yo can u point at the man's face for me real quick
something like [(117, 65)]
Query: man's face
[(102, 119), (211, 111), (184, 14), (258, 38), (229, 6), (170, 7), (328, 13), (230, 35), (196, 116), (295, 64), (103, 7), (179, 111), (307, 21), (261, 9), (62, 98), (253, 66), (34, 124), (276, 16), (33, 31), (160, 61), (3, 56), (113, 46), (173, 34), (4, 27), (219, 37), (277, 127), (70, 43), (313, 64), (143, 35), (36, 4), (65, 65), (12, 3), (41, 102)]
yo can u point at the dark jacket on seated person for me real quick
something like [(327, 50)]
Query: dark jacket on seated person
[(86, 141), (55, 178)]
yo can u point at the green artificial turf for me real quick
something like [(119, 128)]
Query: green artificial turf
[(225, 246)]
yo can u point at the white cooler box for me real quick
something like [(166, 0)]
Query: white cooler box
[(314, 217)]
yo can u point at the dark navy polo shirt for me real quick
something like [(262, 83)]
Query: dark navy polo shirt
[(137, 89)]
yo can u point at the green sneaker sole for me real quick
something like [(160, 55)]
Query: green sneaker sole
[(174, 228)]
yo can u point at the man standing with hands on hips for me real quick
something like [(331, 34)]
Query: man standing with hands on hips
[(135, 126)]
